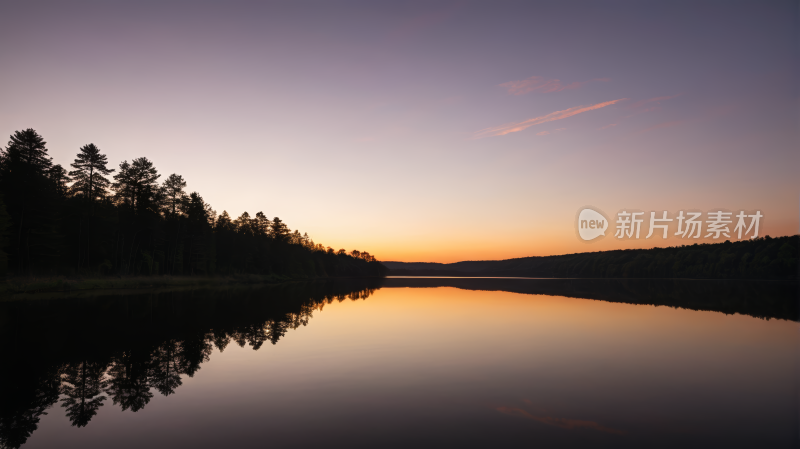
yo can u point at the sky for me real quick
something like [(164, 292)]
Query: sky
[(427, 131)]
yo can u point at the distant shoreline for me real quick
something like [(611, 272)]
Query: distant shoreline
[(762, 258)]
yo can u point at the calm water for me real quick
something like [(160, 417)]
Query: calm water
[(406, 363)]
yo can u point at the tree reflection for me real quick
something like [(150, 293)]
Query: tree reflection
[(135, 346), (21, 408), (82, 383), (166, 371), (129, 385), (194, 352)]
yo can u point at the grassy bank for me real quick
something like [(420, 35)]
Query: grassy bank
[(28, 285)]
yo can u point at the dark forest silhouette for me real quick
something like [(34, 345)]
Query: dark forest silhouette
[(760, 258), (83, 222)]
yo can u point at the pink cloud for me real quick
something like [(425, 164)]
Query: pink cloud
[(608, 126), (502, 130), (543, 133), (522, 87)]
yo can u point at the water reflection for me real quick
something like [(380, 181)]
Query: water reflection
[(760, 299), (83, 384), (89, 350), (77, 355)]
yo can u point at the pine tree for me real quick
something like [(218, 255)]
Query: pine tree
[(90, 182), (30, 148), (261, 224), (90, 168), (279, 231), (199, 234), (58, 176), (26, 180), (174, 193), (136, 183)]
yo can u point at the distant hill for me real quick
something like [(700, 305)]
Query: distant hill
[(761, 258)]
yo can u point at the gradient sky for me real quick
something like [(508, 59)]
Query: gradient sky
[(425, 131)]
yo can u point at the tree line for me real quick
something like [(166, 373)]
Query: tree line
[(94, 219), (760, 258)]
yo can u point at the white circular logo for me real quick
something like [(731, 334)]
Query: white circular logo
[(591, 224)]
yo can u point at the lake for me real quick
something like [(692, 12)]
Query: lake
[(405, 362)]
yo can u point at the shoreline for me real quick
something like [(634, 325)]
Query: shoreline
[(15, 288)]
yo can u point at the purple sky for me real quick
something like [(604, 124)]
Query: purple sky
[(425, 131)]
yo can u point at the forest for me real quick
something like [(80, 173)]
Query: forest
[(760, 258), (99, 220)]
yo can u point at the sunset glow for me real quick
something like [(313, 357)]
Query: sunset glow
[(425, 132)]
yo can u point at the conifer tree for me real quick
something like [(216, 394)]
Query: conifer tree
[(261, 224), (279, 231), (224, 222), (90, 169), (58, 176), (174, 193), (26, 181), (199, 230), (89, 174), (136, 183), (31, 151)]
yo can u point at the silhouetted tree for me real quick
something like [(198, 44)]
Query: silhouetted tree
[(200, 235), (90, 182), (279, 231), (26, 181), (90, 174), (261, 225), (136, 182), (176, 198), (58, 176)]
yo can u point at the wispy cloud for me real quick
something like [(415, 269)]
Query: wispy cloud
[(561, 423), (543, 133), (502, 130), (522, 87), (608, 126)]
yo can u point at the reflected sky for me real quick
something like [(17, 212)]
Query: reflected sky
[(432, 366)]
